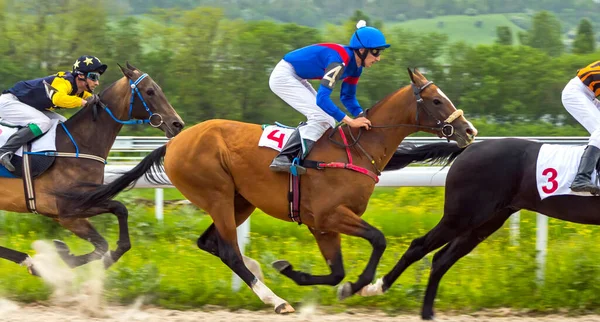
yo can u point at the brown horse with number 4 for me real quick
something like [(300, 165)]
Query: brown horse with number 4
[(219, 166)]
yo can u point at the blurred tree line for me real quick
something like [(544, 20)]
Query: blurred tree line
[(210, 66), (316, 12)]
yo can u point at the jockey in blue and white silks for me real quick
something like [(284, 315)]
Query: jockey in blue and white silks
[(330, 63)]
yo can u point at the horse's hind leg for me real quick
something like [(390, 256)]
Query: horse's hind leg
[(208, 241), (214, 199), (19, 258), (84, 230), (329, 244), (453, 251)]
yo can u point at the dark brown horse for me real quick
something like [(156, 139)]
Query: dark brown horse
[(94, 130), (219, 166)]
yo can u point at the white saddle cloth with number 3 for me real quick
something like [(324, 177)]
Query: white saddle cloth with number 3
[(556, 168)]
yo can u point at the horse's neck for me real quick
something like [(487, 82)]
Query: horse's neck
[(95, 137), (398, 108)]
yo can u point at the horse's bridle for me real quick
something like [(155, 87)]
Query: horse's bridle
[(135, 90), (443, 127)]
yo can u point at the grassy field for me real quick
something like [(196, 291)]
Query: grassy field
[(169, 270), (462, 28)]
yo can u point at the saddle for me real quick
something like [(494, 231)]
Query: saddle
[(39, 152), (275, 137), (34, 158)]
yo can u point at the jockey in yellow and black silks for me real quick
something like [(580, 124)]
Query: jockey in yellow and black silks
[(30, 103)]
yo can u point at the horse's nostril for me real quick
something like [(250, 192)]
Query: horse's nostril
[(178, 125), (470, 132)]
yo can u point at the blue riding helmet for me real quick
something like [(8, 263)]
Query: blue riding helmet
[(368, 37)]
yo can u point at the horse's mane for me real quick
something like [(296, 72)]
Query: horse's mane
[(432, 154), (83, 111)]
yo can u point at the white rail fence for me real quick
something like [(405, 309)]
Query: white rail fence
[(127, 151), (407, 177)]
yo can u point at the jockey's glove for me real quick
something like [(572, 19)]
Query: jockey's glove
[(92, 100)]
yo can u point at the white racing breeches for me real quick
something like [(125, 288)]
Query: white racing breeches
[(585, 108), (15, 112), (300, 95)]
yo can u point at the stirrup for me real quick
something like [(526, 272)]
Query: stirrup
[(591, 188), (296, 169), (8, 165)]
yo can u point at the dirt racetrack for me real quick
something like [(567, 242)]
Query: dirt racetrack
[(10, 311), (75, 302)]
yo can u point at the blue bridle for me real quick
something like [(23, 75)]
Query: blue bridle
[(130, 121), (135, 90)]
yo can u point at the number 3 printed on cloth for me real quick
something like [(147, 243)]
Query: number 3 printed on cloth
[(552, 184)]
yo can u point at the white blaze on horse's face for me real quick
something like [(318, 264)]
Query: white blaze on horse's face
[(446, 97), (452, 104)]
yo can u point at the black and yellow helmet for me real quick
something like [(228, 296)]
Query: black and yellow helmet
[(86, 64)]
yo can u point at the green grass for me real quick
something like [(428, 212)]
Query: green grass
[(462, 28), (167, 268)]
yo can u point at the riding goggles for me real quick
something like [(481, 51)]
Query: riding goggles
[(94, 76), (376, 52)]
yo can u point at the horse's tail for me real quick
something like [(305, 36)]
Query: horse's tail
[(436, 153), (84, 199)]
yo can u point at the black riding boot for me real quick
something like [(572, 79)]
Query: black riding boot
[(583, 179), (14, 142), (283, 161)]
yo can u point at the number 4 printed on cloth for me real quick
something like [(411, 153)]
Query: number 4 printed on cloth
[(277, 138), (332, 74)]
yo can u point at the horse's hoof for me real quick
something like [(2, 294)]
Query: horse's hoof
[(344, 291), (33, 271), (107, 260), (64, 252), (372, 289), (61, 247), (29, 264), (284, 308), (281, 265), (427, 316)]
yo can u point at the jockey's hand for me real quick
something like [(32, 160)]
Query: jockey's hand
[(92, 100), (358, 122)]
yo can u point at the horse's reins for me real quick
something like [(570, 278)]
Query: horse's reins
[(28, 180), (444, 127)]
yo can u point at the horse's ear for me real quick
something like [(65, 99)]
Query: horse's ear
[(412, 76), (131, 66), (418, 73), (126, 71)]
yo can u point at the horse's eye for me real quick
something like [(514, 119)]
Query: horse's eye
[(437, 101), (150, 92)]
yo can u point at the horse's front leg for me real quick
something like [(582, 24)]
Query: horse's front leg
[(344, 221), (80, 226)]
